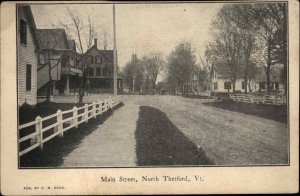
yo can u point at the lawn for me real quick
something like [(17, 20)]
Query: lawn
[(272, 112), (28, 113)]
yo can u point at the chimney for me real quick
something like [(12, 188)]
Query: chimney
[(95, 43)]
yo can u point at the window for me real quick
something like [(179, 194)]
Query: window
[(227, 85), (23, 32), (91, 71), (92, 59), (28, 77), (215, 85), (98, 71), (104, 71), (99, 60), (42, 59), (243, 85)]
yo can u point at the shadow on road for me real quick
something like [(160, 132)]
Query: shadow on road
[(272, 112), (160, 142), (57, 148)]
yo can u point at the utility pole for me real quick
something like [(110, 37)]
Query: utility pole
[(115, 54)]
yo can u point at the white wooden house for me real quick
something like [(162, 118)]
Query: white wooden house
[(216, 81), (27, 45)]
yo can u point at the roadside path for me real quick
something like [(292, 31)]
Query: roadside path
[(111, 144)]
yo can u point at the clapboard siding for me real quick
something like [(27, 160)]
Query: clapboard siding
[(26, 55)]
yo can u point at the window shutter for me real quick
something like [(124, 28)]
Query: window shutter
[(23, 32), (28, 77)]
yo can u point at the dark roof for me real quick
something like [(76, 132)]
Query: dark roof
[(31, 24), (53, 39), (275, 74), (105, 53), (260, 76)]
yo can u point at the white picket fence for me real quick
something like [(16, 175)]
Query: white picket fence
[(62, 123), (264, 99)]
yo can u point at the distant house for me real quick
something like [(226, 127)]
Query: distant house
[(216, 81), (63, 59), (276, 79), (100, 70), (219, 82), (27, 47)]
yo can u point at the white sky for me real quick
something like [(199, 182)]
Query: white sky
[(142, 28)]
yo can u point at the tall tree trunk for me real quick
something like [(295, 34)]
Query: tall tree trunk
[(233, 86), (133, 84), (268, 65), (246, 77), (82, 85), (245, 85), (154, 87)]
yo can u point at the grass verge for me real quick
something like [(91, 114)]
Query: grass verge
[(160, 142), (272, 112)]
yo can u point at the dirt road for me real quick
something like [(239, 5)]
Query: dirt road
[(173, 130), (226, 137)]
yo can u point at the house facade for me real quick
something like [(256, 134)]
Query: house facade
[(27, 47), (100, 70), (60, 56), (218, 82)]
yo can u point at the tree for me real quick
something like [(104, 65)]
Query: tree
[(271, 18), (226, 49), (83, 35), (181, 63), (133, 74), (105, 39), (153, 64)]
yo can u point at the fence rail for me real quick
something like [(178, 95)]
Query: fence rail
[(264, 99), (64, 120)]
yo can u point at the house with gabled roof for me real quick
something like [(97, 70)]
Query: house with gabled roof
[(27, 46), (100, 70), (216, 81), (61, 58), (276, 79)]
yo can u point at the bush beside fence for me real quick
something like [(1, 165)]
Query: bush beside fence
[(61, 121)]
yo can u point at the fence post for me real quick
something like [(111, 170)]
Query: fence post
[(106, 104), (86, 112), (60, 123), (75, 116), (94, 110), (38, 129), (112, 102)]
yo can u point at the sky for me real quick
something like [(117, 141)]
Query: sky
[(141, 28)]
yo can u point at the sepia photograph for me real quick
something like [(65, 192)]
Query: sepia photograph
[(98, 88), (103, 97)]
